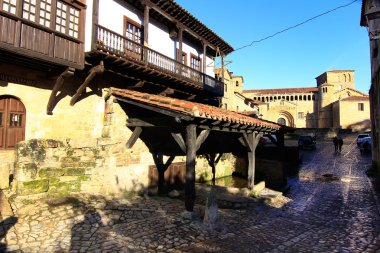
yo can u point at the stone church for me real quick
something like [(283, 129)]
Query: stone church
[(333, 103)]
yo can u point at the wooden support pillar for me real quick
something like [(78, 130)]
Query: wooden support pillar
[(213, 161), (146, 25), (191, 139), (204, 57), (250, 141), (161, 168)]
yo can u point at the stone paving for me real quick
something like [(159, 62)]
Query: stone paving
[(332, 209)]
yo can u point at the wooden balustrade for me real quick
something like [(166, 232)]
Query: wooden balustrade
[(121, 46)]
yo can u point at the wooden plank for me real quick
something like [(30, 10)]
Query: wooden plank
[(179, 139), (201, 138), (135, 135), (191, 138), (57, 87), (93, 72)]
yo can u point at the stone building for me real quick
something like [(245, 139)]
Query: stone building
[(95, 93), (371, 20), (324, 106), (233, 98)]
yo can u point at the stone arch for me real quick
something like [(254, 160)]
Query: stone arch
[(287, 116)]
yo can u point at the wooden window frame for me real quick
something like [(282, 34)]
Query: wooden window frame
[(194, 57), (10, 13), (141, 27), (300, 115), (361, 107), (184, 55)]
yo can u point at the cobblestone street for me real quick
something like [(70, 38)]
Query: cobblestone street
[(332, 208)]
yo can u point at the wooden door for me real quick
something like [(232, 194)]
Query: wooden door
[(12, 122)]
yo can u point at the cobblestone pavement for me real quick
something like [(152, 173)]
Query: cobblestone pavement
[(332, 209)]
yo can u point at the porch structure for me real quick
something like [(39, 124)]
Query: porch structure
[(173, 127)]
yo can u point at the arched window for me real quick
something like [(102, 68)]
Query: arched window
[(313, 97), (287, 98), (281, 121), (309, 97), (291, 98), (300, 98), (304, 97)]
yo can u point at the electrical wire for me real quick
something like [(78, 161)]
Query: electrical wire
[(294, 26)]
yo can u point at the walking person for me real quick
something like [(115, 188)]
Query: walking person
[(340, 144), (335, 141)]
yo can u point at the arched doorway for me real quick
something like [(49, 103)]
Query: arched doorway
[(12, 122), (285, 118), (281, 121)]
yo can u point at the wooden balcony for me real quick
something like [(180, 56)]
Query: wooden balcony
[(27, 42), (124, 55)]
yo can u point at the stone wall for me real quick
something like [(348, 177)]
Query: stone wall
[(93, 166)]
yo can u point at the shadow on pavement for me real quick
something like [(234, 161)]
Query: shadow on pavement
[(5, 225)]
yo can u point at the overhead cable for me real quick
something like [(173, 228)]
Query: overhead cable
[(294, 26)]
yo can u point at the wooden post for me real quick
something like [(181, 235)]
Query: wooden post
[(191, 138), (95, 22), (146, 25), (161, 168), (204, 57), (253, 139)]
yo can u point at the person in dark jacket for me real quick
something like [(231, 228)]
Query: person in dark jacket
[(340, 144), (335, 141)]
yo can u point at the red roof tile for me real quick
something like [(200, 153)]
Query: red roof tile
[(192, 109), (356, 98), (283, 90)]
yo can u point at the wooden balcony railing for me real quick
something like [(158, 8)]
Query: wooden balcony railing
[(38, 42), (122, 46)]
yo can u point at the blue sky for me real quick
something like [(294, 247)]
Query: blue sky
[(335, 41)]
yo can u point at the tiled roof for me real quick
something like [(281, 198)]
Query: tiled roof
[(355, 98), (192, 109), (350, 89), (283, 91)]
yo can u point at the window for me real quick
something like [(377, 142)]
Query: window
[(184, 58), (45, 13), (67, 19), (9, 6), (225, 106), (361, 106), (300, 115), (15, 120), (225, 87), (29, 10), (237, 108), (237, 83), (195, 62), (134, 33)]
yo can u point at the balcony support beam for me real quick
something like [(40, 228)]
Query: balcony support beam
[(57, 87), (93, 72)]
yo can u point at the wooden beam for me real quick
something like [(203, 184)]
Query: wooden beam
[(254, 140), (93, 72), (57, 87), (135, 135), (191, 139), (179, 139), (146, 25), (201, 138)]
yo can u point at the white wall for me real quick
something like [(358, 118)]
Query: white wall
[(111, 16)]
